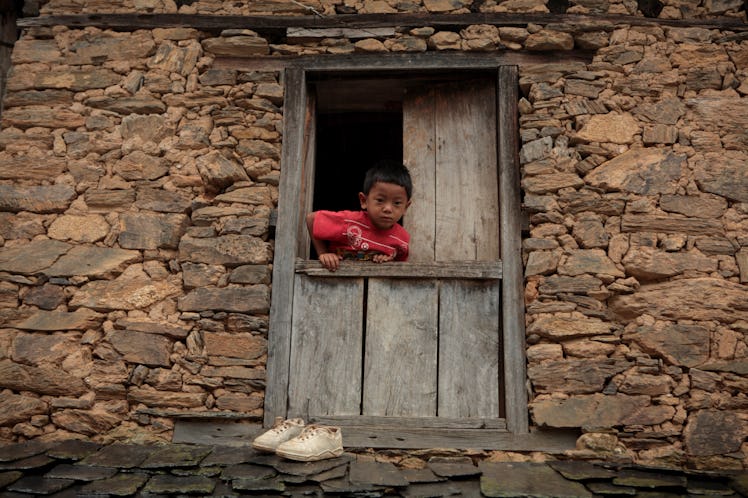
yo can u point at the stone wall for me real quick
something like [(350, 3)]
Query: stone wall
[(138, 181)]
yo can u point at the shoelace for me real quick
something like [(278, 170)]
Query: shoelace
[(282, 427), (309, 432)]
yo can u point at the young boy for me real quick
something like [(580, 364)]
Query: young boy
[(373, 233)]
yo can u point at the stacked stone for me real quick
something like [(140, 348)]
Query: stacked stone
[(137, 184), (634, 178)]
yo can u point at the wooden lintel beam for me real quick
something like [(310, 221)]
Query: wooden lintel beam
[(422, 61), (267, 22)]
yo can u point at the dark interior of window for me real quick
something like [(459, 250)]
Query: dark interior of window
[(359, 122)]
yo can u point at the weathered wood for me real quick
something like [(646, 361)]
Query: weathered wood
[(452, 269), (261, 23), (481, 439), (413, 422), (401, 348), (418, 61), (469, 343), (279, 334), (512, 285), (308, 169), (326, 347), (419, 155), (467, 226)]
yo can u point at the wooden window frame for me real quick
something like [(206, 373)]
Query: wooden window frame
[(294, 200)]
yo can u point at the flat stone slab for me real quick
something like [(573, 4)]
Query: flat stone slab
[(18, 451), (526, 479), (74, 449), (170, 484), (579, 471), (309, 468), (255, 486), (229, 455), (80, 472), (431, 490), (40, 485), (649, 480), (122, 456), (248, 471), (122, 484), (176, 455), (454, 469), (376, 473), (606, 488), (420, 476), (30, 463)]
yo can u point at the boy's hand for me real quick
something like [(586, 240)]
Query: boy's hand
[(382, 258), (330, 260)]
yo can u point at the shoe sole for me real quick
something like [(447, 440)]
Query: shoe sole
[(266, 449), (311, 458)]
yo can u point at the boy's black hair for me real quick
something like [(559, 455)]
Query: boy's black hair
[(388, 171)]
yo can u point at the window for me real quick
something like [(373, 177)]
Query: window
[(436, 344)]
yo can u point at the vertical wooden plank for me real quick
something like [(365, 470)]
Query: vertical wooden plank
[(513, 309), (308, 169), (466, 173), (401, 348), (419, 157), (326, 347), (279, 334), (469, 344)]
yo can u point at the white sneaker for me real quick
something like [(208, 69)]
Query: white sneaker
[(282, 431), (314, 443)]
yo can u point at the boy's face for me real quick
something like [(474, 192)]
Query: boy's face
[(386, 203)]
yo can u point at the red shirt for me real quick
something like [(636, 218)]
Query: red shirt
[(351, 234)]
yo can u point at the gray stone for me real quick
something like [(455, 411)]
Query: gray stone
[(686, 299), (134, 289), (31, 258), (119, 455), (582, 284), (574, 376), (38, 486), (728, 178), (239, 46), (25, 118), (248, 471), (122, 484), (670, 224), (232, 250), (647, 263), (218, 172), (250, 299), (713, 432), (80, 472), (162, 201), (52, 321), (596, 410), (644, 479), (176, 455), (92, 261), (144, 104), (41, 199), (151, 231), (102, 200), (528, 479), (140, 166), (15, 408), (543, 184), (142, 348), (46, 297), (694, 206), (568, 327), (594, 261), (679, 344), (42, 379), (641, 171), (376, 473)]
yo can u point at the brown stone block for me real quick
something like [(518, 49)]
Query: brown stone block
[(250, 299), (42, 379)]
